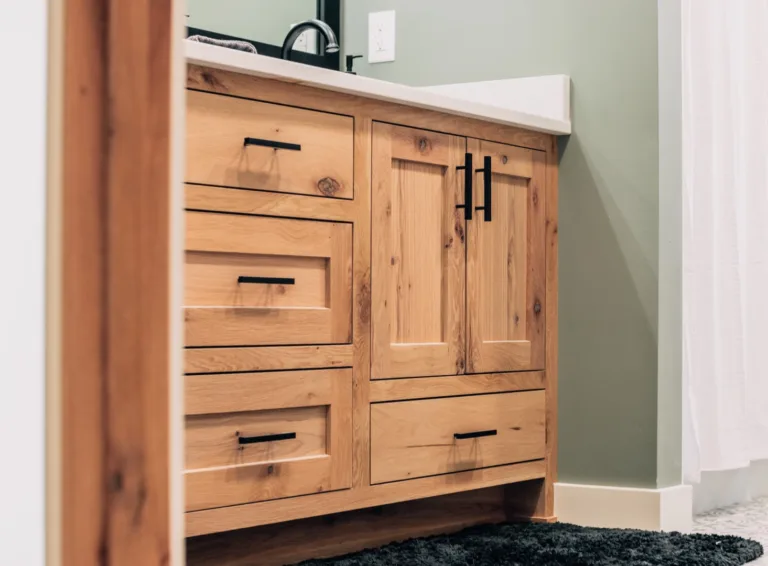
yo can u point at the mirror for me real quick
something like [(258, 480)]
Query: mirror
[(265, 23)]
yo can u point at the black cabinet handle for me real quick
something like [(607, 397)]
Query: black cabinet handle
[(267, 280), (486, 208), (478, 434), (468, 175), (272, 144), (265, 438)]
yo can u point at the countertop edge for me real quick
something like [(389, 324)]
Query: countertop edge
[(288, 71)]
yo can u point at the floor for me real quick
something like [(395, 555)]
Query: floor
[(749, 521)]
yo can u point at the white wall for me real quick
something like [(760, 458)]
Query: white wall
[(730, 487), (23, 58)]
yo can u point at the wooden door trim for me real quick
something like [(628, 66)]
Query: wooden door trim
[(117, 181)]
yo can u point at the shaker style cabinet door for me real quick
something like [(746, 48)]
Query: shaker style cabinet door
[(418, 253), (506, 260)]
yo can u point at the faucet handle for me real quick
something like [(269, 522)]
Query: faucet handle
[(351, 62)]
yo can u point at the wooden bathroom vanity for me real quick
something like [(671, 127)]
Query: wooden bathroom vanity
[(370, 318)]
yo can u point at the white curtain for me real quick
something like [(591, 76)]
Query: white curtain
[(725, 234)]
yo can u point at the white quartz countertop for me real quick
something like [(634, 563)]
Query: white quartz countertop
[(541, 104)]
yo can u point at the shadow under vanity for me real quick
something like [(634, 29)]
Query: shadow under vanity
[(370, 320)]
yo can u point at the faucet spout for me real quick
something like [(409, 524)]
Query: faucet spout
[(332, 43)]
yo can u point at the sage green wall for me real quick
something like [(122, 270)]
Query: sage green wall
[(609, 194), (267, 21), (670, 433)]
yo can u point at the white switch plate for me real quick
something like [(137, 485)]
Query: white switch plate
[(381, 36), (306, 42)]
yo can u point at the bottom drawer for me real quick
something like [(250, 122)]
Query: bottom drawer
[(257, 436), (412, 439)]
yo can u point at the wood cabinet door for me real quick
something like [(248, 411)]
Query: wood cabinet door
[(418, 253), (505, 260)]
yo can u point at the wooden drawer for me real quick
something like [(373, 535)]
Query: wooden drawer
[(412, 439), (290, 150), (257, 436), (253, 280)]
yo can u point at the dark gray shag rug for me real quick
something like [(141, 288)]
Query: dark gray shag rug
[(558, 544)]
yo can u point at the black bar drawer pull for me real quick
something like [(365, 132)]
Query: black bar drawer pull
[(272, 144), (468, 175), (478, 434), (267, 280), (265, 438), (486, 208)]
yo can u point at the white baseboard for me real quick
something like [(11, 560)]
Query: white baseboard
[(668, 509)]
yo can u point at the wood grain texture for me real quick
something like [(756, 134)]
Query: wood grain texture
[(537, 261), (232, 233), (334, 535), (506, 265), (535, 500), (240, 484), (211, 280), (219, 311), (315, 405), (269, 512), (419, 152), (85, 514), (452, 386), (508, 160), (225, 82), (244, 326), (411, 439), (362, 305), (212, 440), (340, 286), (266, 358), (234, 392), (217, 199), (218, 125), (418, 262), (137, 179), (340, 443), (418, 146), (546, 509)]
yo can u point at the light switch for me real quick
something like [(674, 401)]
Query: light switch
[(306, 42), (381, 36)]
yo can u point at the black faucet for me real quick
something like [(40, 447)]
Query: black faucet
[(332, 45)]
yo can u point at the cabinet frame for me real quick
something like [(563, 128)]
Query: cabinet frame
[(530, 483)]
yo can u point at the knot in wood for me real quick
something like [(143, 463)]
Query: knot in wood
[(328, 186)]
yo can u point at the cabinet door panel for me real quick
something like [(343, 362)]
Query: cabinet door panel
[(418, 263), (506, 264)]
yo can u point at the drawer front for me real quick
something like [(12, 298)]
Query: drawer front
[(289, 150), (412, 439), (259, 436), (254, 280)]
